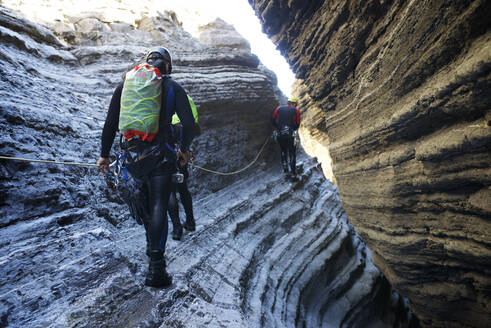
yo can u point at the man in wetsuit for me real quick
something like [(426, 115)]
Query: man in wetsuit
[(156, 178), (183, 189), (286, 120)]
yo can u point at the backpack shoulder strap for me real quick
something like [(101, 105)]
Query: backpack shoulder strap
[(170, 96)]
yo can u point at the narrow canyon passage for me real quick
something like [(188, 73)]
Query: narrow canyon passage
[(268, 251)]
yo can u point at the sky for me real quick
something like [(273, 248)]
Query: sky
[(240, 14)]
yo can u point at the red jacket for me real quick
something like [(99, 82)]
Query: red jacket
[(286, 115)]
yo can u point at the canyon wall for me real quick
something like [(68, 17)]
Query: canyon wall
[(397, 95)]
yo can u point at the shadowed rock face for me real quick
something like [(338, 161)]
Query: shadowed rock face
[(398, 92), (267, 251)]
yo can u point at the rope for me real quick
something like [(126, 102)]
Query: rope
[(234, 172), (44, 161), (87, 164)]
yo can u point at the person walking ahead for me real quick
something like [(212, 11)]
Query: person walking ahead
[(286, 120), (183, 189), (142, 107)]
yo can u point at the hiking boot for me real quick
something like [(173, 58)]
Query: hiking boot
[(157, 276), (190, 226), (177, 233), (293, 169)]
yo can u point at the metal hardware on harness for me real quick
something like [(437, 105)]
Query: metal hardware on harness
[(120, 173), (177, 178)]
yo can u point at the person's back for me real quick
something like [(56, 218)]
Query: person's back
[(286, 120), (286, 116)]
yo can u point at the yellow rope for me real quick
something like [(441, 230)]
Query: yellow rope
[(234, 172), (44, 161)]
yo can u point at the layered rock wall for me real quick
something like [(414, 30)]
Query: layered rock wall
[(233, 92), (398, 94)]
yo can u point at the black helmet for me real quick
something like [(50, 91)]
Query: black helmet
[(164, 53)]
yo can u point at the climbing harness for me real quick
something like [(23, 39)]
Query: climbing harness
[(120, 173), (124, 185)]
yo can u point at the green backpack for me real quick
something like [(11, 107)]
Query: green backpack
[(175, 118), (197, 128), (140, 103)]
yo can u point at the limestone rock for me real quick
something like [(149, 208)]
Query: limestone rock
[(38, 33), (221, 34), (396, 94)]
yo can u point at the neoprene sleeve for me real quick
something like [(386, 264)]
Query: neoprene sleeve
[(112, 121)]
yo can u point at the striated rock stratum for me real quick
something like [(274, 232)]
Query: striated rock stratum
[(397, 95)]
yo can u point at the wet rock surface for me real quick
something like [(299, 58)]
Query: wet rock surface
[(267, 251), (397, 93)]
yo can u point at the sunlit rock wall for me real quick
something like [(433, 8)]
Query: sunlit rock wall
[(399, 94)]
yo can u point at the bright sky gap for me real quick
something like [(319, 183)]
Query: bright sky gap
[(240, 14)]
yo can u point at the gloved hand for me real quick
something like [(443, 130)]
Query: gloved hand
[(103, 164), (183, 157)]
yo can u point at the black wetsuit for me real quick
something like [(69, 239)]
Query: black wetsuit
[(158, 181), (184, 193), (286, 119), (186, 200)]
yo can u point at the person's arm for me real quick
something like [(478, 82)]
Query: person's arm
[(110, 129), (274, 118), (183, 110), (296, 118)]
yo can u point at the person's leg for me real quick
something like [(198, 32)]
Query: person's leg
[(173, 210), (159, 192), (187, 203), (284, 154), (159, 199), (293, 156), (142, 185)]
